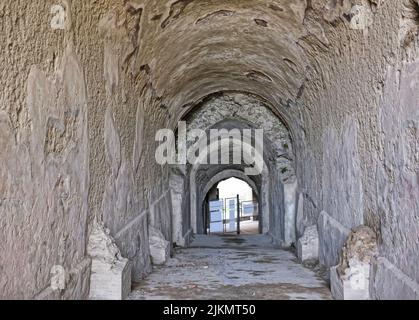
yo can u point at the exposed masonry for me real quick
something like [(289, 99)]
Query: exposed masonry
[(254, 113), (85, 86), (276, 186)]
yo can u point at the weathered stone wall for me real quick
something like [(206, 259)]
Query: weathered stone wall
[(60, 76), (83, 96), (364, 98), (44, 154), (252, 112), (397, 185)]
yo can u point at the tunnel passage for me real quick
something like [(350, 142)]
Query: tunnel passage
[(276, 181), (231, 205), (86, 85)]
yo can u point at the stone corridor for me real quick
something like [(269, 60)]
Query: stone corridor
[(119, 118), (232, 268)]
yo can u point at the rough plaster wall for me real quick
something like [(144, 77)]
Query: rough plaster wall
[(342, 190), (385, 112), (45, 179), (122, 212), (45, 115), (318, 62), (137, 192), (197, 28), (398, 171), (342, 185), (45, 170)]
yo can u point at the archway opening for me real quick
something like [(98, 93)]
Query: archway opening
[(229, 117), (231, 207)]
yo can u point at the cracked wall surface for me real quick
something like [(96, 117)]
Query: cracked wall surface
[(84, 93), (45, 182)]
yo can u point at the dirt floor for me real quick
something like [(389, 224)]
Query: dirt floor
[(230, 267)]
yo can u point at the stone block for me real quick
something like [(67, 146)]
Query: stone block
[(390, 283), (159, 247), (308, 245), (110, 277), (290, 203), (336, 285), (356, 287), (350, 280), (332, 237), (132, 241), (110, 281), (300, 221)]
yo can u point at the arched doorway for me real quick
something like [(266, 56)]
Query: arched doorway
[(275, 182), (231, 206)]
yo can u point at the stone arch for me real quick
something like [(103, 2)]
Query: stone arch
[(277, 109), (246, 109), (254, 184), (227, 174), (196, 197), (240, 110)]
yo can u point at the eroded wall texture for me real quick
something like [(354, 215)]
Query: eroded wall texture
[(86, 84)]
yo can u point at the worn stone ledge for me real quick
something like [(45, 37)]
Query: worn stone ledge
[(332, 237), (308, 245), (110, 281), (137, 251), (159, 247), (390, 283)]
